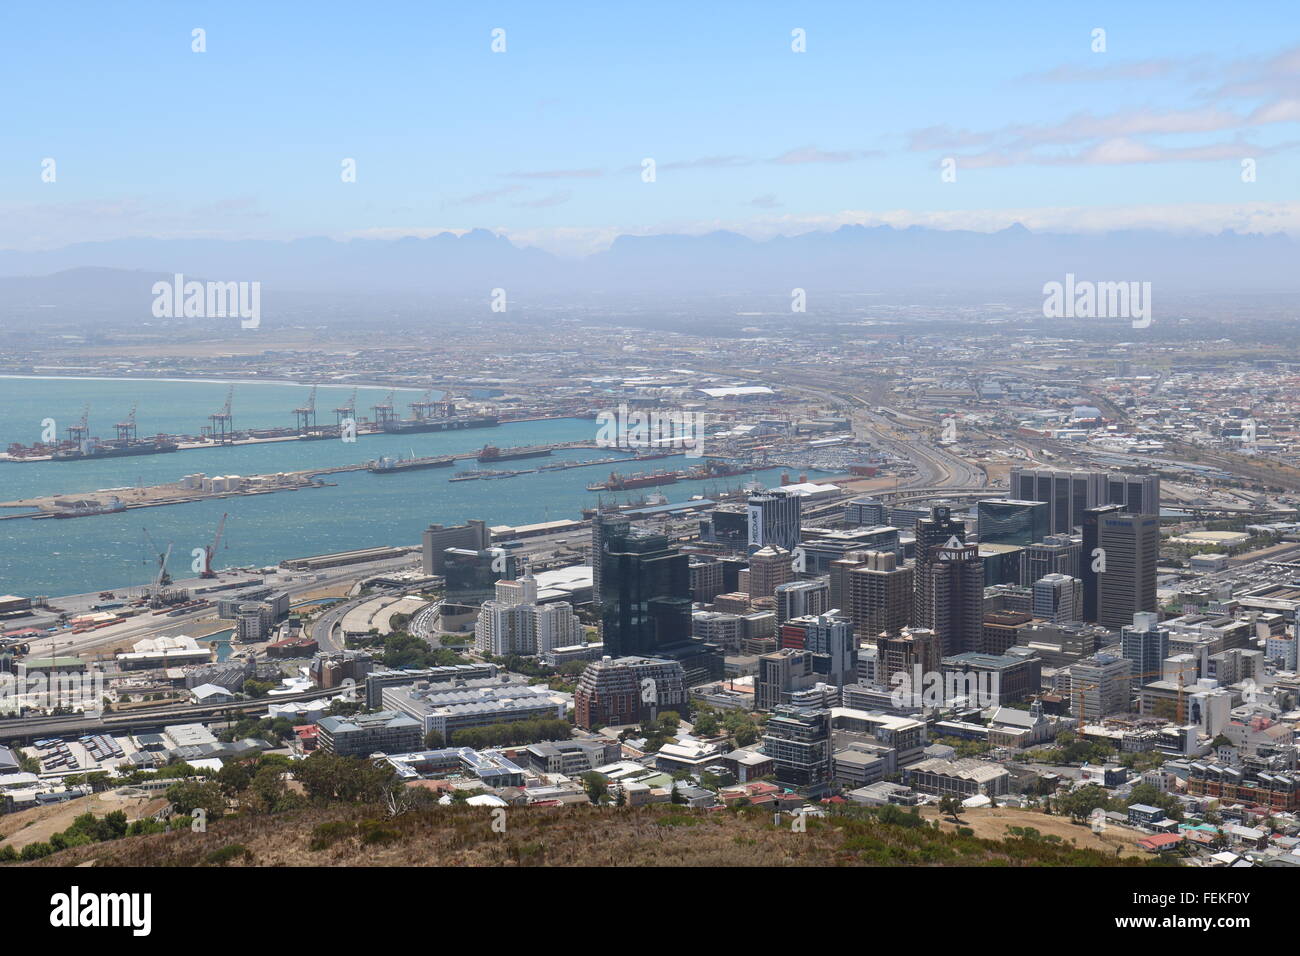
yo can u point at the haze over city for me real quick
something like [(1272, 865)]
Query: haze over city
[(832, 436)]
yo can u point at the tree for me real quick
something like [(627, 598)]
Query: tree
[(706, 725), (190, 795), (434, 740), (952, 807), (595, 785)]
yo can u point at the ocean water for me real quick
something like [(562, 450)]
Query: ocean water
[(360, 510)]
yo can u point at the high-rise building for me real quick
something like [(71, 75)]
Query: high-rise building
[(950, 591), (1011, 521), (833, 646), (707, 579), (774, 518), (1124, 556), (1058, 598), (645, 594), (604, 528), (769, 567), (879, 595), (1003, 563), (782, 673), (1139, 494), (1090, 557), (820, 547), (865, 512), (627, 690), (1145, 645), (938, 530), (1070, 493), (1055, 554), (798, 739), (472, 536), (914, 647), (515, 623), (1098, 687), (800, 598)]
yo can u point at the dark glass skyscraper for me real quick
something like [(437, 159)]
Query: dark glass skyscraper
[(645, 593), (1012, 521)]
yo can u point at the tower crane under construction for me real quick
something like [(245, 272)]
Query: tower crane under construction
[(1077, 689), (209, 552)]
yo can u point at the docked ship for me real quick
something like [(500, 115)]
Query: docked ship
[(413, 425), (493, 453), (619, 482), (95, 450), (391, 466), (84, 509)]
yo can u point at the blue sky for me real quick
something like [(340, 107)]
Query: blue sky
[(544, 142)]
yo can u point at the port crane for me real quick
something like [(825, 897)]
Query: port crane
[(347, 410), (210, 552), (81, 430), (305, 416), (422, 409), (126, 431), (222, 427), (384, 412)]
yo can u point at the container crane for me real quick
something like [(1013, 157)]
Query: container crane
[(222, 426), (126, 431), (305, 416)]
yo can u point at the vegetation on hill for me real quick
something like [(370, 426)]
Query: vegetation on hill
[(338, 833)]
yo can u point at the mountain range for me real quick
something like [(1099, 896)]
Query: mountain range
[(1013, 262)]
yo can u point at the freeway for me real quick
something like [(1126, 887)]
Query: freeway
[(935, 466), (24, 730), (134, 629)]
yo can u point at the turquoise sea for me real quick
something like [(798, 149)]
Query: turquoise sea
[(361, 510)]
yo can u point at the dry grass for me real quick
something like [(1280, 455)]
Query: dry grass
[(356, 835), (991, 823), (38, 824)]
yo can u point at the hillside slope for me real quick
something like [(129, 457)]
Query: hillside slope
[(360, 835)]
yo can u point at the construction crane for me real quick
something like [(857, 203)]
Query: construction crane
[(305, 416), (209, 553), (163, 578), (1078, 690)]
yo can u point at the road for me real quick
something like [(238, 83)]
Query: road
[(138, 628)]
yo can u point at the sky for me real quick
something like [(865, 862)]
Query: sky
[(545, 142)]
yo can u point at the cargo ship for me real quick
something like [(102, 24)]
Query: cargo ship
[(391, 466), (413, 425), (84, 509), (493, 453), (619, 482), (96, 450)]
